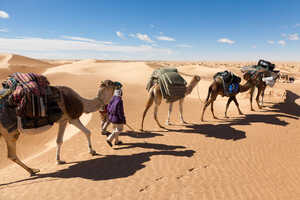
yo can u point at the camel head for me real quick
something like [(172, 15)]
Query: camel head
[(106, 90), (195, 80)]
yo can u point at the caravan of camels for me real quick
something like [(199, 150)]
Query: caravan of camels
[(23, 107), (45, 107)]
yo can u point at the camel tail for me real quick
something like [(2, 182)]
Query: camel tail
[(209, 92)]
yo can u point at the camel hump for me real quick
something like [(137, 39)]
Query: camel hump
[(73, 104)]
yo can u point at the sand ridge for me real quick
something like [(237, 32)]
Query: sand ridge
[(254, 156)]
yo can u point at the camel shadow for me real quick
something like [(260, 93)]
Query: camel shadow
[(227, 132), (289, 106), (149, 146), (220, 131), (104, 168)]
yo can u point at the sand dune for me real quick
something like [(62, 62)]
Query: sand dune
[(10, 63), (254, 156)]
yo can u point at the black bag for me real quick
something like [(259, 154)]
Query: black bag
[(266, 64)]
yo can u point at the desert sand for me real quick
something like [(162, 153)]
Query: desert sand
[(253, 156)]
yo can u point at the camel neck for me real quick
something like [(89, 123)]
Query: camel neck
[(91, 105), (246, 86)]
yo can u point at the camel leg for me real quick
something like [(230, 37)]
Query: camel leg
[(157, 102), (262, 96), (212, 109), (251, 97), (181, 110), (227, 106), (59, 140), (148, 105), (169, 113), (257, 98), (237, 105), (206, 104), (87, 132), (12, 154)]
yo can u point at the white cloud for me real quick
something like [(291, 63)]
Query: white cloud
[(271, 42), (281, 42), (120, 34), (57, 46), (4, 14), (152, 26), (131, 35), (85, 39), (297, 25), (165, 38), (143, 37), (294, 36), (78, 38), (4, 30), (184, 45), (254, 46), (226, 40)]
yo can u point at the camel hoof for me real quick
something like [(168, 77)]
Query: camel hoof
[(34, 172), (60, 162), (241, 113), (252, 109), (93, 153), (168, 123), (226, 117), (215, 117)]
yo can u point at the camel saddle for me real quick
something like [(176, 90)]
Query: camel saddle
[(230, 82), (32, 98), (52, 112), (172, 85)]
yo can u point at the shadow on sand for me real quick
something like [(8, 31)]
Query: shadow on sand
[(288, 109), (289, 106), (107, 167)]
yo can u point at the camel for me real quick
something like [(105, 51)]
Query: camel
[(216, 88), (72, 106), (155, 96), (261, 86)]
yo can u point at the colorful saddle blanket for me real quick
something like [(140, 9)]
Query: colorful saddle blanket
[(27, 88)]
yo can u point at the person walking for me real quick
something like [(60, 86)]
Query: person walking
[(116, 116)]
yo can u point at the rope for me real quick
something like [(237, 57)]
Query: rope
[(198, 93)]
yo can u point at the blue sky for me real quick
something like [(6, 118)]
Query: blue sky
[(152, 29)]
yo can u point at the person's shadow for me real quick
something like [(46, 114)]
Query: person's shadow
[(108, 167)]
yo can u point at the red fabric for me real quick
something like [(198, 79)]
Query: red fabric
[(27, 84)]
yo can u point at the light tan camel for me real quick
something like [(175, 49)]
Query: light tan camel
[(72, 106), (216, 88), (261, 87), (155, 96)]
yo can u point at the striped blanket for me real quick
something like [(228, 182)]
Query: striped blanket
[(26, 87)]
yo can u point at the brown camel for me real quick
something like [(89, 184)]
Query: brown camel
[(216, 88), (155, 96), (261, 86), (72, 106)]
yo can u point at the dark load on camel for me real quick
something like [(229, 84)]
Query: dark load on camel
[(230, 82), (172, 85), (261, 65), (32, 98)]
